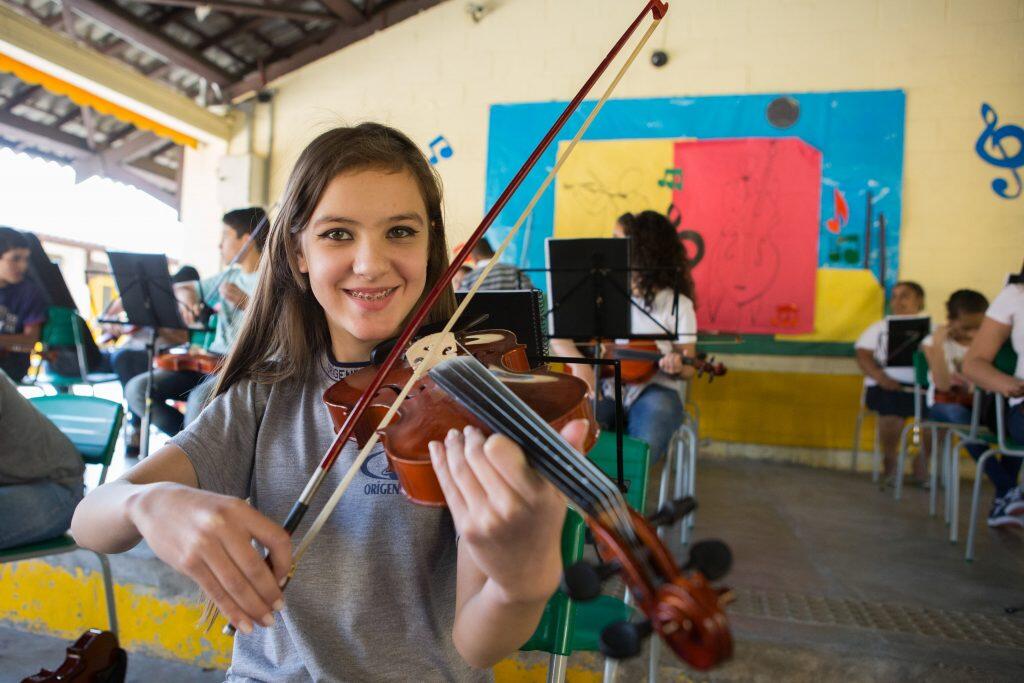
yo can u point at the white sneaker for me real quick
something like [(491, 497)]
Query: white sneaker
[(1014, 500), (998, 517)]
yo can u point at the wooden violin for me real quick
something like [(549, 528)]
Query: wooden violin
[(956, 394), (96, 657), (189, 361), (482, 378), (640, 361)]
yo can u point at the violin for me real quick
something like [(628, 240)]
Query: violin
[(96, 657), (956, 394), (483, 379), (640, 361), (190, 361)]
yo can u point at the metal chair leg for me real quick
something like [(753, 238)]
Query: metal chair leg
[(933, 468), (654, 658), (108, 588), (975, 496), (611, 670), (876, 456), (557, 665), (898, 488)]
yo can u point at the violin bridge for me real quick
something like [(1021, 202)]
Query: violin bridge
[(419, 350)]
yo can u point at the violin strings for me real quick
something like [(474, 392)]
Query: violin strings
[(563, 456)]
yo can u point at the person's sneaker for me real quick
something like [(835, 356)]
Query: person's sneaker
[(1014, 502), (999, 518), (132, 442)]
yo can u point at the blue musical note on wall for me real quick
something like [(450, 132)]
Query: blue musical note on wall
[(439, 146), (991, 149)]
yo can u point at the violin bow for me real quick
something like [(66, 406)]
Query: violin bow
[(657, 8)]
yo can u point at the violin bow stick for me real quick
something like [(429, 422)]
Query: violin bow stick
[(657, 8)]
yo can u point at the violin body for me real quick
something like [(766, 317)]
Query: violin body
[(639, 361), (956, 394), (96, 657), (428, 412), (192, 361)]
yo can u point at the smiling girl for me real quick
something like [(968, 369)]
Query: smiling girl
[(390, 590)]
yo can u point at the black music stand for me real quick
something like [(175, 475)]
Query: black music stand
[(903, 335), (144, 284), (47, 275)]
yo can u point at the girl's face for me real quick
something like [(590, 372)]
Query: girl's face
[(365, 250), (13, 266), (905, 301), (963, 328)]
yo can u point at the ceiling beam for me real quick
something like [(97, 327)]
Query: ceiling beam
[(335, 40), (20, 96), (128, 26), (27, 41), (229, 7), (39, 135), (344, 10), (137, 145)]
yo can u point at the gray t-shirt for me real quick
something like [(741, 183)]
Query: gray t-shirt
[(33, 449), (374, 597)]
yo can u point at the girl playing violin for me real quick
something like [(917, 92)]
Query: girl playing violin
[(653, 409), (390, 590)]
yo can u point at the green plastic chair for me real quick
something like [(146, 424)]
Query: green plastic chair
[(64, 329), (92, 425), (568, 626), (203, 338)]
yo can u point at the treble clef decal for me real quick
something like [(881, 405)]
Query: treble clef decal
[(990, 148)]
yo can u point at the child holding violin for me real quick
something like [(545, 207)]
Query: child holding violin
[(1003, 322), (228, 293), (390, 590), (653, 407)]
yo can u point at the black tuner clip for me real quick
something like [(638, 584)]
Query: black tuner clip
[(582, 581), (624, 639), (673, 511), (712, 558)]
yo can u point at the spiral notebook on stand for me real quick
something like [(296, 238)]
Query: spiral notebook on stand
[(520, 311)]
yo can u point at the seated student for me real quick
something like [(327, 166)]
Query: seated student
[(653, 409), (502, 276), (230, 300), (1004, 320), (22, 305), (40, 472), (886, 394)]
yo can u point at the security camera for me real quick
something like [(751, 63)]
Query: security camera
[(659, 58), (477, 10)]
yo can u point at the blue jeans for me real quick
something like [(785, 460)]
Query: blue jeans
[(30, 513), (1002, 472), (654, 417)]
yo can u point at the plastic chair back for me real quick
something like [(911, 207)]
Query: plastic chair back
[(91, 423), (636, 457), (59, 328), (203, 338), (920, 369)]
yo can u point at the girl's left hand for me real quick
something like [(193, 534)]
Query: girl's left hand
[(509, 517), (671, 363)]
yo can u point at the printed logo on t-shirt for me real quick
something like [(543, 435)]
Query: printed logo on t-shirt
[(378, 468), (8, 321)]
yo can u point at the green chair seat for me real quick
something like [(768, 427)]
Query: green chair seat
[(86, 420), (635, 464), (50, 547)]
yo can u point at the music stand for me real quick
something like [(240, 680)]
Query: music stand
[(144, 285), (903, 335), (47, 275), (519, 311)]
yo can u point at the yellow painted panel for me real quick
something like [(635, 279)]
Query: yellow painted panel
[(511, 671), (782, 409), (604, 179), (847, 302), (56, 600)]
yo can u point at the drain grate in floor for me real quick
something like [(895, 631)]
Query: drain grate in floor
[(948, 624)]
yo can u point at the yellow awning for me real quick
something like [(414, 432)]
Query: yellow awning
[(84, 98)]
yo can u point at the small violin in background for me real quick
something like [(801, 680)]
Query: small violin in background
[(640, 361), (195, 361), (96, 657)]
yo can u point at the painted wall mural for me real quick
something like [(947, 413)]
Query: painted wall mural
[(788, 205)]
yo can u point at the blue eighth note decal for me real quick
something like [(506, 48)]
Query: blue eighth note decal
[(439, 146)]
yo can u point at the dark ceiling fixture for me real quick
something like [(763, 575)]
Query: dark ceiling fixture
[(783, 112)]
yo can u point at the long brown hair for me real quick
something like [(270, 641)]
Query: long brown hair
[(655, 245), (285, 327)]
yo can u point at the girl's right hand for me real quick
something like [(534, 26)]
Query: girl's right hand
[(208, 538), (1013, 388)]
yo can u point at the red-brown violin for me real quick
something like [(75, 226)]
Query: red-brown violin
[(96, 657), (190, 361), (484, 379), (640, 361)]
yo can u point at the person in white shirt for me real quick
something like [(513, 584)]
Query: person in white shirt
[(1003, 321), (653, 408), (887, 393)]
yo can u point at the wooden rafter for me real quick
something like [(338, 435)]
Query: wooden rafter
[(344, 10), (229, 7), (333, 40), (134, 29)]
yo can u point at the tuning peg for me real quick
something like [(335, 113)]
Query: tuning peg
[(712, 558), (582, 581), (624, 639), (672, 511)]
